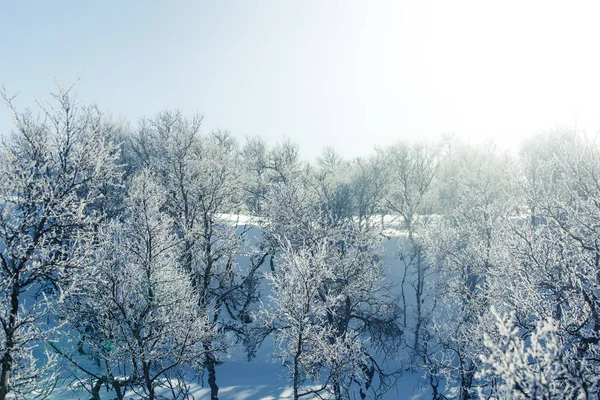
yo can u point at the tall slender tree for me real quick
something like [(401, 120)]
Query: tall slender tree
[(53, 168)]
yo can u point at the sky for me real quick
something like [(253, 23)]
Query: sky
[(348, 74)]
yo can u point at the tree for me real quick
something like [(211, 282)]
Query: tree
[(368, 189), (465, 249), (333, 182), (202, 177), (255, 158), (284, 162), (529, 366), (547, 281), (53, 168), (329, 283), (327, 304), (411, 171), (140, 315), (296, 317), (537, 156)]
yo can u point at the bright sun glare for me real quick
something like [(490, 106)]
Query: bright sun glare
[(481, 69)]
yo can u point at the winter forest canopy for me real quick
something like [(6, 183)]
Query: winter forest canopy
[(137, 259)]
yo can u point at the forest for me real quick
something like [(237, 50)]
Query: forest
[(136, 258)]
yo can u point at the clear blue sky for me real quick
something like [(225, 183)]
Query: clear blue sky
[(352, 74)]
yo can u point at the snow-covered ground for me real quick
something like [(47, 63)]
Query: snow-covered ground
[(256, 380)]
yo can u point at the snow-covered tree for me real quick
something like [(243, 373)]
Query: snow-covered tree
[(284, 162), (255, 159), (329, 270), (332, 179), (465, 247), (307, 345), (139, 317), (202, 180), (529, 365), (549, 272), (331, 313), (52, 170), (369, 184), (411, 172)]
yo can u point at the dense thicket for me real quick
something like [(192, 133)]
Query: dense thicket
[(136, 257)]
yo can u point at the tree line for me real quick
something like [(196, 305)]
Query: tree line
[(130, 260)]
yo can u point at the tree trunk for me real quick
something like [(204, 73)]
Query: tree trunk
[(337, 391), (117, 386), (7, 358), (297, 368), (148, 381), (212, 375), (5, 374), (95, 392), (419, 299), (114, 383)]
